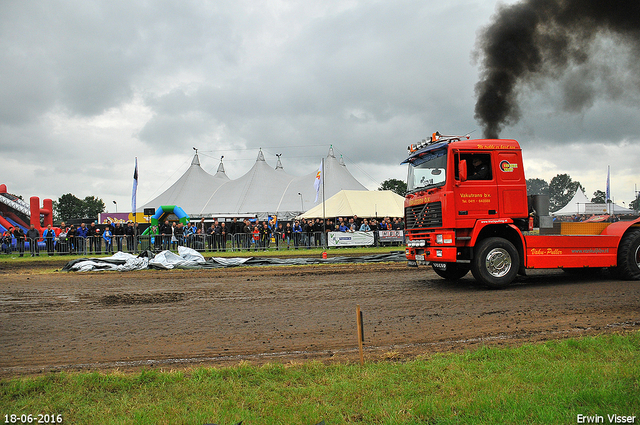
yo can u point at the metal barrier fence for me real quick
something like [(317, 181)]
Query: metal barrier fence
[(96, 245)]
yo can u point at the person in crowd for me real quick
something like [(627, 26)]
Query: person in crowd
[(18, 233), (343, 227), (210, 233), (49, 236), (33, 235), (232, 230), (129, 232), (198, 240), (265, 236), (247, 234), (217, 235), (297, 234), (107, 236), (318, 228), (91, 232), (357, 221), (180, 234), (96, 236), (364, 227), (307, 231), (118, 235), (71, 237), (165, 234), (81, 238), (223, 236), (255, 231), (288, 234), (7, 240), (63, 243)]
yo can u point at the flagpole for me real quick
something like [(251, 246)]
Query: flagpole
[(324, 220), (133, 206)]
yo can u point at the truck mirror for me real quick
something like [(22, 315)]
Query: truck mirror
[(462, 170)]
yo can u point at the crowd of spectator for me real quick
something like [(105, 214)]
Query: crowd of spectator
[(219, 235)]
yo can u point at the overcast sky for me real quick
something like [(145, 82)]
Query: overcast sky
[(87, 86)]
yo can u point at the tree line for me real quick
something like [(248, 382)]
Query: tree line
[(69, 206)]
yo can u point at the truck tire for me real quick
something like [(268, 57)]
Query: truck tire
[(629, 257), (451, 271), (495, 262)]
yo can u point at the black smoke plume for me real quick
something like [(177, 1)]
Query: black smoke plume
[(535, 40)]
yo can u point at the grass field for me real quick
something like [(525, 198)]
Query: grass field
[(547, 383)]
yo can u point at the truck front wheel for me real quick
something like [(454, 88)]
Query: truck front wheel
[(495, 262), (629, 257)]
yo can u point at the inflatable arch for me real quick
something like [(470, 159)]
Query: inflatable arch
[(163, 212)]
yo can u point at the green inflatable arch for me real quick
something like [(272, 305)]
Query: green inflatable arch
[(163, 212)]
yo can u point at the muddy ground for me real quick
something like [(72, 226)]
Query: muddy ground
[(171, 319)]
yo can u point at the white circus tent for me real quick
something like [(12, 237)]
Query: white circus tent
[(261, 192)]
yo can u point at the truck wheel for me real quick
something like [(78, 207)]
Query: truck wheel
[(451, 271), (629, 257), (495, 262)]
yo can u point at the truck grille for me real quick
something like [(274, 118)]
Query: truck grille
[(420, 216)]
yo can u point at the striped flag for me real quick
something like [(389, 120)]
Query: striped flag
[(318, 182), (134, 192)]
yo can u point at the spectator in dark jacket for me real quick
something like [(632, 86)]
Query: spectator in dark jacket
[(33, 235)]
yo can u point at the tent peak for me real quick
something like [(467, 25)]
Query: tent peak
[(342, 161), (195, 160), (221, 166), (331, 154), (260, 156), (279, 163)]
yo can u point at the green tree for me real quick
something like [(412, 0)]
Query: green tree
[(398, 186), (599, 197), (69, 206), (635, 204), (537, 187), (92, 207), (561, 190)]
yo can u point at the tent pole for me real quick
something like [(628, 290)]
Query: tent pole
[(324, 219)]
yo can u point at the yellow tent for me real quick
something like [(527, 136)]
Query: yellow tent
[(363, 203)]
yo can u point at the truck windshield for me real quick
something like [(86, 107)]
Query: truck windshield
[(428, 170)]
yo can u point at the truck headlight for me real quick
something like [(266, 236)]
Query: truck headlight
[(439, 239)]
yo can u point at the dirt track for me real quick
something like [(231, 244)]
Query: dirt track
[(168, 319)]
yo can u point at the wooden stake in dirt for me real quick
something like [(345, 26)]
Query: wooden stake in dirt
[(360, 332)]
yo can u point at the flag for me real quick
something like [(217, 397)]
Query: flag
[(135, 188), (608, 195), (318, 182)]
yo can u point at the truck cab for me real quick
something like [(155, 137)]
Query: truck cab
[(466, 208)]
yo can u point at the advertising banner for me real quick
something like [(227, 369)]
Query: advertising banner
[(595, 208), (390, 236), (350, 239)]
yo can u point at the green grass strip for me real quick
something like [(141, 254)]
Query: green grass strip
[(550, 383)]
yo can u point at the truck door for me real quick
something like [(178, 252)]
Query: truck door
[(511, 183), (477, 197)]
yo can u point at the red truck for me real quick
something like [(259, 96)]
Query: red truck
[(467, 208)]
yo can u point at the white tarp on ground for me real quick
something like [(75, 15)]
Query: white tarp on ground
[(188, 258), (261, 192), (363, 203)]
